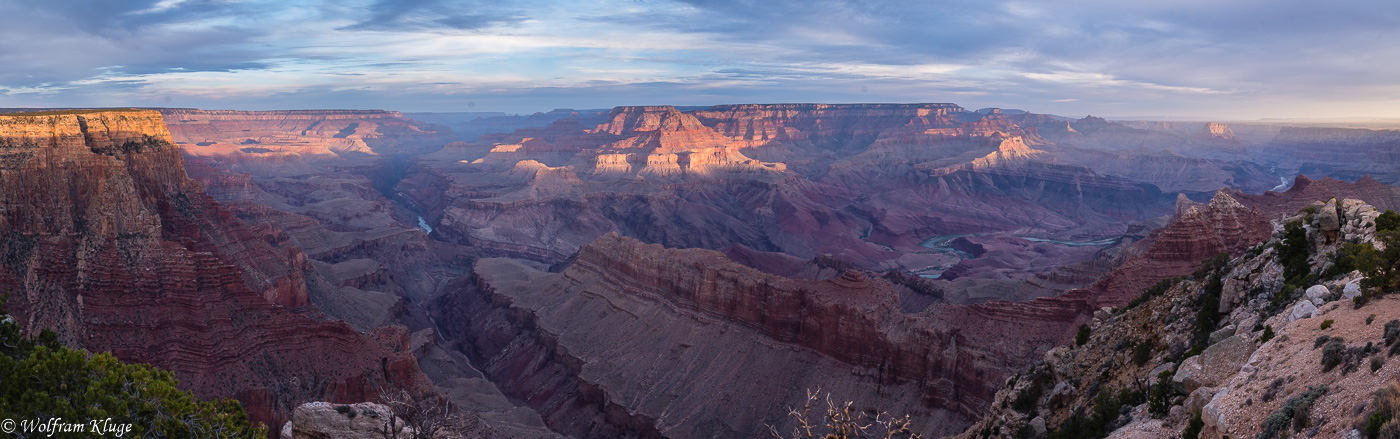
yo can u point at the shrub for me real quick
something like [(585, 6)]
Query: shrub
[(42, 379), (844, 421), (1272, 390), (1381, 423), (1321, 340), (1153, 291), (1391, 332), (1101, 417), (1374, 423), (1142, 352), (1351, 256), (1193, 428), (1388, 221), (1297, 411), (1326, 324), (1208, 313), (1026, 400), (1382, 268), (1332, 354), (1159, 402), (1268, 334), (1377, 362), (1293, 253), (1083, 336)]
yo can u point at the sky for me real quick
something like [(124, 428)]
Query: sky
[(1182, 58)]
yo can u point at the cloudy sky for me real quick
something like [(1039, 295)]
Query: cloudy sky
[(1193, 58)]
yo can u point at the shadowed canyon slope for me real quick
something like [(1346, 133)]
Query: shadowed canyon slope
[(109, 244), (687, 328)]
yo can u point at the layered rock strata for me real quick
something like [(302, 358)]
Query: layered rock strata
[(687, 328), (109, 244)]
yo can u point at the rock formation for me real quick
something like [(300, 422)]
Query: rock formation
[(1262, 371), (867, 183), (727, 332), (109, 244), (324, 420)]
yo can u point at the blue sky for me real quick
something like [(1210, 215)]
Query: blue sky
[(1185, 58)]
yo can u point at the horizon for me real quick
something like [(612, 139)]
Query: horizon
[(483, 113), (1191, 61)]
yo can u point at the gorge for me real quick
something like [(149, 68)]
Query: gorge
[(647, 271)]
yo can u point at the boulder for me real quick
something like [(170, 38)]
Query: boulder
[(1328, 222), (365, 420), (1152, 376), (1359, 221), (1038, 426), (1062, 394), (1317, 294), (1213, 414), (1214, 365), (1199, 399), (1352, 289), (1221, 334), (1303, 310), (1178, 414)]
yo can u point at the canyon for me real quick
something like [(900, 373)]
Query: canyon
[(646, 271), (111, 246)]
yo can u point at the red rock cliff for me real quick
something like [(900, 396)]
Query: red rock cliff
[(108, 243)]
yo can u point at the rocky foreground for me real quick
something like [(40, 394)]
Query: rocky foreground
[(1249, 346)]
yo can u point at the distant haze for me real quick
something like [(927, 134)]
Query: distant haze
[(1186, 59)]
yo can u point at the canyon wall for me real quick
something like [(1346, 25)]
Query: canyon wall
[(687, 328), (110, 245)]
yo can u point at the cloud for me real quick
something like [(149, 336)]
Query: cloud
[(1250, 58), (401, 15)]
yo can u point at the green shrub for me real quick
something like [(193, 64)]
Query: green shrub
[(1213, 270), (1159, 402), (39, 379), (1083, 336), (1388, 221), (1374, 423), (1142, 352), (1268, 334), (1155, 290), (1026, 400), (1293, 253), (1326, 324), (1377, 362), (1332, 354), (1382, 268), (1350, 257), (1193, 428), (1100, 419), (1381, 422), (1297, 411), (1391, 332), (1321, 340)]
